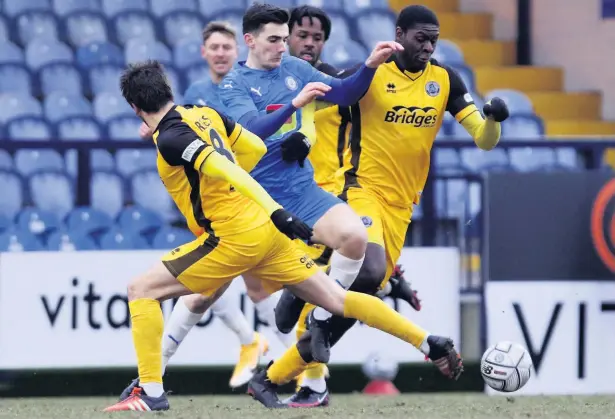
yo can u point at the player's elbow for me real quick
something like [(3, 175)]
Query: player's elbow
[(260, 148), (487, 144)]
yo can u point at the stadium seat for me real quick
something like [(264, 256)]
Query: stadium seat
[(102, 160), (60, 105), (375, 26), (234, 18), (116, 239), (37, 222), (124, 128), (195, 73), (99, 53), (19, 241), (528, 159), (15, 77), (447, 161), (522, 127), (16, 105), (130, 161), (12, 194), (44, 51), (175, 79), (10, 53), (212, 7), (82, 28), (354, 7), (448, 52), (107, 192), (4, 31), (466, 74), (149, 192), (53, 192), (477, 160), (327, 5), (344, 54), (171, 237), (340, 28), (138, 50), (109, 105), (457, 131), (14, 7), (160, 8), (60, 77), (104, 78), (88, 221), (36, 24), (29, 128), (29, 161), (65, 7), (6, 161), (450, 198), (133, 25), (187, 53), (5, 224), (139, 220), (64, 241), (113, 7), (80, 128), (567, 158), (287, 4), (181, 25), (517, 102)]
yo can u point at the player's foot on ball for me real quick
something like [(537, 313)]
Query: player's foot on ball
[(264, 391), (249, 358), (400, 288), (306, 397), (140, 402), (320, 344), (443, 354), (128, 390), (287, 311)]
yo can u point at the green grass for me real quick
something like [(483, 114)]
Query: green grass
[(407, 406)]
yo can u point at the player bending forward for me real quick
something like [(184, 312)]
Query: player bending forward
[(202, 161), (394, 126)]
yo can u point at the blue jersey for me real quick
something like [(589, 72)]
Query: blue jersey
[(203, 92), (245, 90)]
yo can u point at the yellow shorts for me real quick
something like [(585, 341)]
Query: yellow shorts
[(386, 225), (209, 262)]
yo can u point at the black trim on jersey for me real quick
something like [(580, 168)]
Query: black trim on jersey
[(229, 124), (458, 90), (350, 176), (344, 112), (194, 179), (400, 67), (182, 263)]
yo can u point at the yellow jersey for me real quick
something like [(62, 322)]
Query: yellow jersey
[(185, 137), (394, 126)]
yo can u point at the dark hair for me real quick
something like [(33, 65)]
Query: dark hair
[(145, 85), (218, 27), (411, 15), (259, 14), (298, 13)]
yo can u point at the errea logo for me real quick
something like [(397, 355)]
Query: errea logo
[(414, 115)]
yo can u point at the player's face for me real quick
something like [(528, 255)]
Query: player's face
[(268, 45), (419, 44), (307, 40), (220, 52)]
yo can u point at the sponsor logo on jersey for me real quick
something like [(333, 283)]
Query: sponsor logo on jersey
[(432, 88), (414, 115)]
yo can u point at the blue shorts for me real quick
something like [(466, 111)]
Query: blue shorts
[(310, 205)]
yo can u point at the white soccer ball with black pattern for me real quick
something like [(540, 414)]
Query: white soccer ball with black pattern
[(506, 366)]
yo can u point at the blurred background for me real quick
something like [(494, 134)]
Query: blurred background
[(512, 244)]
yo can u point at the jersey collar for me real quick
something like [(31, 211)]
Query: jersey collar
[(400, 67), (166, 116)]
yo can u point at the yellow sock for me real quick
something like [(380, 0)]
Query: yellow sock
[(375, 313), (287, 367), (147, 328), (301, 323), (315, 371)]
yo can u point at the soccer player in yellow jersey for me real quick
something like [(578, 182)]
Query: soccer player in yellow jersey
[(203, 159), (385, 169)]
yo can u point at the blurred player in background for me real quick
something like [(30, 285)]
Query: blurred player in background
[(385, 169)]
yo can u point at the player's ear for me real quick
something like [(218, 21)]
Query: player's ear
[(249, 39), (203, 51), (399, 34)]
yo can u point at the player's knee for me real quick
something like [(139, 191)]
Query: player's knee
[(139, 288), (353, 241), (196, 303), (370, 276)]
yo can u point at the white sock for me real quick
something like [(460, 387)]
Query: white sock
[(152, 389), (425, 346), (385, 291), (226, 309), (319, 385), (177, 327), (343, 271), (266, 311)]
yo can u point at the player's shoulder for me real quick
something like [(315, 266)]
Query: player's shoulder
[(442, 68), (296, 65)]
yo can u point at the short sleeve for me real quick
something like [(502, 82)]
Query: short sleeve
[(181, 146), (234, 97), (460, 103)]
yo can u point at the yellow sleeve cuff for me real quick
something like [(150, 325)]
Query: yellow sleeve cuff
[(198, 162)]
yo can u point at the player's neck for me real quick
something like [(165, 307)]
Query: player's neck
[(253, 64), (153, 119), (215, 77)]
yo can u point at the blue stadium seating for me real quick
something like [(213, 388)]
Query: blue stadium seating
[(149, 193), (37, 222), (37, 24), (66, 7), (187, 53), (29, 128), (82, 28), (138, 220), (532, 159), (170, 238), (344, 54), (16, 105), (466, 74), (448, 53), (517, 102), (112, 7), (196, 72), (131, 161), (180, 25), (102, 160), (210, 8), (138, 50), (355, 7), (4, 31), (52, 192), (161, 8), (522, 127), (116, 239), (477, 160), (60, 77), (60, 105), (65, 241), (327, 5), (340, 27), (124, 128), (132, 25), (44, 51), (5, 224), (375, 26), (19, 241), (14, 7), (448, 161), (16, 78), (280, 3), (104, 78), (10, 53), (28, 161), (99, 53), (12, 194), (110, 105), (84, 128), (107, 192), (88, 221), (6, 161), (450, 198)]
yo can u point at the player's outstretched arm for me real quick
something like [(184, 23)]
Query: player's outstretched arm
[(485, 132), (219, 167), (248, 149)]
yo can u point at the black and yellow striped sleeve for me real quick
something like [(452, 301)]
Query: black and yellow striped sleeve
[(180, 145), (233, 129), (460, 103)]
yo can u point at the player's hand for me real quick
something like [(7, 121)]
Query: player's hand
[(290, 225), (145, 131), (310, 92), (382, 51), (296, 148), (496, 109)]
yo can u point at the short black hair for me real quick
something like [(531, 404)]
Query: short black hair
[(298, 13), (411, 15), (146, 86), (259, 14)]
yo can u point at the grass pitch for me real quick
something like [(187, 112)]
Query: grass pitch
[(407, 406)]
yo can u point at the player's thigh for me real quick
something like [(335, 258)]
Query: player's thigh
[(206, 264), (156, 283), (395, 226), (254, 288), (320, 291), (369, 210)]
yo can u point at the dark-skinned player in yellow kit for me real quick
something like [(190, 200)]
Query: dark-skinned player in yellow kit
[(385, 169)]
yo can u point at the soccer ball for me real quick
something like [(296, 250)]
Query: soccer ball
[(506, 366), (379, 367)]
